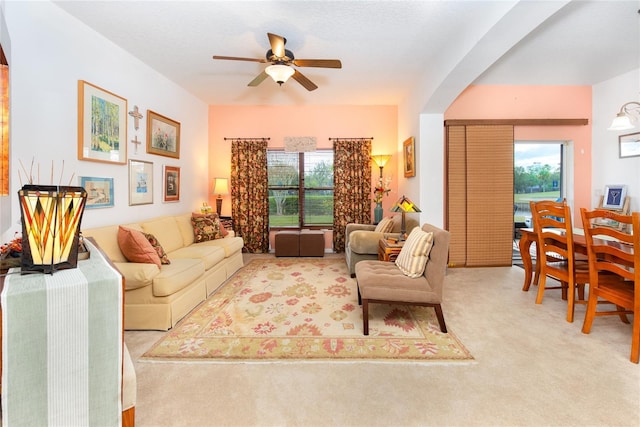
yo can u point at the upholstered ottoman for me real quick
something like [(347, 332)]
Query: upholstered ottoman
[(287, 243), (311, 243)]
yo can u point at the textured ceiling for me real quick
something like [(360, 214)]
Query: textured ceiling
[(387, 48)]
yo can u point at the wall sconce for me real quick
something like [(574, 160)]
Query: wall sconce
[(279, 73), (622, 121), (381, 160), (220, 187), (404, 205)]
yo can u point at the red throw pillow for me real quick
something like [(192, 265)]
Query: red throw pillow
[(136, 248)]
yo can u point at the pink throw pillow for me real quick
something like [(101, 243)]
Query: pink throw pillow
[(136, 248)]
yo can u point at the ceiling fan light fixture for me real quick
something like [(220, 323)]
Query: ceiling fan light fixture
[(279, 73)]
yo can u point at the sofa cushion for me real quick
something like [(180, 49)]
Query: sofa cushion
[(385, 225), (107, 239), (205, 228), (164, 259), (137, 275), (209, 255), (165, 229), (231, 245), (185, 227), (177, 275), (415, 253), (136, 248)]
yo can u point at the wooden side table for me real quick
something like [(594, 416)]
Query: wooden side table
[(389, 250)]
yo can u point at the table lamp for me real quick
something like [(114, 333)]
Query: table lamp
[(220, 187), (404, 205)]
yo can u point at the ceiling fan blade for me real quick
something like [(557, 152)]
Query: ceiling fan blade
[(235, 58), (259, 79), (323, 63), (277, 44), (300, 78)]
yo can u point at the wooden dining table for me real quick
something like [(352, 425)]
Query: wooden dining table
[(528, 237)]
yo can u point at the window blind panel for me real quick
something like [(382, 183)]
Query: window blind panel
[(456, 195), (489, 195)]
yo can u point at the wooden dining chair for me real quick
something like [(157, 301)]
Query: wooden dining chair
[(612, 251), (553, 226)]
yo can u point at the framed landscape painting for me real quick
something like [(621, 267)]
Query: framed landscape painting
[(629, 145), (140, 182), (171, 184), (102, 125), (163, 135), (99, 192)]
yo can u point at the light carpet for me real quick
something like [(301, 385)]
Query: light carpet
[(303, 309)]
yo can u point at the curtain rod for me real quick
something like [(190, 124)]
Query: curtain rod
[(244, 139), (361, 139)]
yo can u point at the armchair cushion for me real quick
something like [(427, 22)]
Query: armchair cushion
[(415, 253), (385, 226)]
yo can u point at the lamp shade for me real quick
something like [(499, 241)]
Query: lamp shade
[(621, 122), (404, 204), (221, 186), (381, 159), (279, 73)]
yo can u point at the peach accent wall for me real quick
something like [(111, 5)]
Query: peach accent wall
[(538, 102), (322, 122)]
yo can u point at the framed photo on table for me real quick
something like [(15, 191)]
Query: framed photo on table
[(171, 179), (163, 135), (140, 182), (409, 151), (102, 125), (614, 196), (99, 192)]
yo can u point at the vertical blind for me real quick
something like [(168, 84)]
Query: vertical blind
[(480, 194)]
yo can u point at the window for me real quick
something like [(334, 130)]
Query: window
[(300, 188), (538, 174)]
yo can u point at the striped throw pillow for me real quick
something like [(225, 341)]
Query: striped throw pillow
[(385, 225), (414, 254)]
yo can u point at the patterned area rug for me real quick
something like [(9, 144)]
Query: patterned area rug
[(302, 309)]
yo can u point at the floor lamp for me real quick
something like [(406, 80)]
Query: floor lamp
[(221, 188), (404, 205)]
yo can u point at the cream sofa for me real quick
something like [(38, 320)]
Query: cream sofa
[(361, 241), (158, 297)]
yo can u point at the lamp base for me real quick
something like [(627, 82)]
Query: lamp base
[(219, 205), (403, 229)]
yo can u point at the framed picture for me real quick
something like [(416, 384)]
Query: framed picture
[(409, 151), (163, 135), (171, 181), (99, 191), (629, 145), (140, 182), (614, 196), (102, 125)]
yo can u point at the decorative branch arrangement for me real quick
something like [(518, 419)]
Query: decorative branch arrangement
[(28, 176)]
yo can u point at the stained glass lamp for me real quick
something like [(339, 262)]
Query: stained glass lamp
[(404, 205)]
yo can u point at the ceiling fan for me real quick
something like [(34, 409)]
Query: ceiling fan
[(281, 61)]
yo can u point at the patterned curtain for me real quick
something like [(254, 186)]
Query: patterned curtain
[(352, 186), (249, 193)]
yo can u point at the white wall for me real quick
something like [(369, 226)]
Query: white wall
[(50, 52), (608, 167)]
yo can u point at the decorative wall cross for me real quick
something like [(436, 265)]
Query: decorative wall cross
[(136, 118), (136, 142)]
